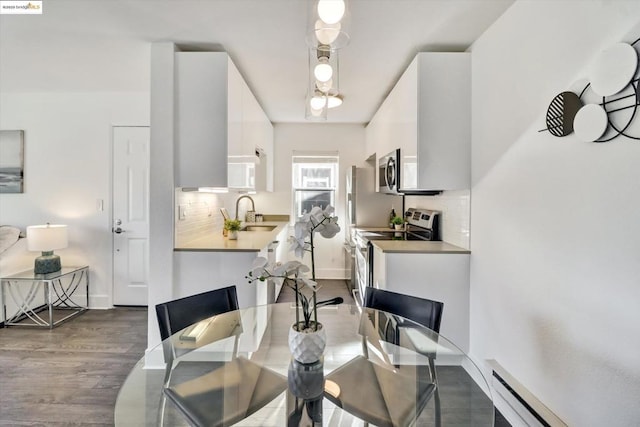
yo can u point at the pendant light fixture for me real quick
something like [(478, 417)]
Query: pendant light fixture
[(326, 35)]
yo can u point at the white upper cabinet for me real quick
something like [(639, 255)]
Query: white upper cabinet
[(257, 136), (201, 119), (220, 126), (427, 115)]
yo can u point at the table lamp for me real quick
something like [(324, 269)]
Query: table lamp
[(46, 238)]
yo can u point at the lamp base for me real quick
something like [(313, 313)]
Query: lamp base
[(47, 263)]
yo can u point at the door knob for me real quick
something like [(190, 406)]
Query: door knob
[(118, 230)]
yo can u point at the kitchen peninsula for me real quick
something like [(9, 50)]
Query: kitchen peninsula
[(213, 261), (247, 241)]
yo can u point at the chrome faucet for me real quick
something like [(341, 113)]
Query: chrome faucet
[(253, 205)]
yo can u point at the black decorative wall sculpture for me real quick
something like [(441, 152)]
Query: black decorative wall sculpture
[(607, 105)]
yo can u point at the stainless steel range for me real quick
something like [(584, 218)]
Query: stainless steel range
[(421, 224)]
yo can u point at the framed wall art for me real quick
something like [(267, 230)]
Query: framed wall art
[(11, 161)]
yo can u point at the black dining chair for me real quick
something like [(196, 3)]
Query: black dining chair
[(212, 393), (380, 395)]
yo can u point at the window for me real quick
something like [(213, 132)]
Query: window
[(315, 179)]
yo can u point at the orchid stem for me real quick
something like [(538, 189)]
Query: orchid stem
[(313, 277)]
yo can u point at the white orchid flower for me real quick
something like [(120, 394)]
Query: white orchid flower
[(302, 269), (304, 218), (330, 228), (277, 280), (291, 268), (260, 264), (298, 245), (301, 229), (308, 282), (329, 210), (316, 216)]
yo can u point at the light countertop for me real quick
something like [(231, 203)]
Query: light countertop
[(412, 246), (248, 241), (418, 246)]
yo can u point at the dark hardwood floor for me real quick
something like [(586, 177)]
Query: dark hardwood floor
[(71, 375)]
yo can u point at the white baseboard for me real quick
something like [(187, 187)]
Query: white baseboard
[(96, 302)]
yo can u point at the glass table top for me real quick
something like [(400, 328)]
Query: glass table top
[(31, 275), (375, 368)]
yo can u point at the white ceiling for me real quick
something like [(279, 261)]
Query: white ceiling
[(104, 45)]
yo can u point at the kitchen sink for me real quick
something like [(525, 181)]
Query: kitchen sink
[(258, 228)]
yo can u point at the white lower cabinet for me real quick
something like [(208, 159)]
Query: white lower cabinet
[(281, 254), (439, 277), (201, 271)]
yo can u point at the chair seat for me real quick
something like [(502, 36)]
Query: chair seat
[(227, 394), (377, 394)]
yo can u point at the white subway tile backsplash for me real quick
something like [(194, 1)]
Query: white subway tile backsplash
[(455, 217), (196, 214)]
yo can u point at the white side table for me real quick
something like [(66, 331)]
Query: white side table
[(24, 290)]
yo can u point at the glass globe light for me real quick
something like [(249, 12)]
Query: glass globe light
[(324, 86), (323, 71), (315, 112), (327, 33), (317, 103), (331, 11)]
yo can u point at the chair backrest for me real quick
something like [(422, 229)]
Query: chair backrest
[(176, 315), (421, 310)]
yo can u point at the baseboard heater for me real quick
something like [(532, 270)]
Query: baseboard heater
[(522, 401)]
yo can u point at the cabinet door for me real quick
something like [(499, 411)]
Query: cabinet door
[(241, 162), (371, 143), (395, 126), (444, 119), (379, 269), (403, 118), (264, 165), (201, 119)]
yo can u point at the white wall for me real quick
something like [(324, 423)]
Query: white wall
[(348, 140), (68, 169), (555, 236)]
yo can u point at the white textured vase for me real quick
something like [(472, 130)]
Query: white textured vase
[(233, 235), (307, 346)]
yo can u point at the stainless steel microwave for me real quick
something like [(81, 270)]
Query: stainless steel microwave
[(389, 173)]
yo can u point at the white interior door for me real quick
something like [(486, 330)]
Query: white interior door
[(130, 215)]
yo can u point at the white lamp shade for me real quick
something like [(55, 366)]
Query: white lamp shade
[(43, 238)]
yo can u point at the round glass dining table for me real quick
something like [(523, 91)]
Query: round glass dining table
[(236, 369)]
